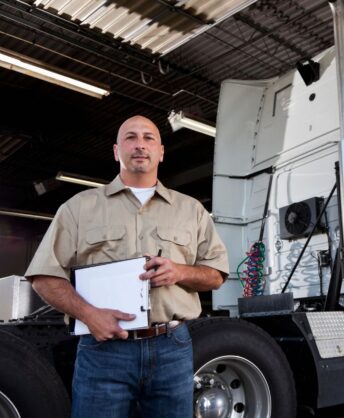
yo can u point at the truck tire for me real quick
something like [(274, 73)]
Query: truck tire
[(29, 385), (240, 371)]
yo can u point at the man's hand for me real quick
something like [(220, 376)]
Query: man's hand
[(59, 293), (103, 323), (163, 272)]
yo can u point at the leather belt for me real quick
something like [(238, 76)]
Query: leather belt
[(154, 331)]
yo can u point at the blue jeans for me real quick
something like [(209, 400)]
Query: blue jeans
[(111, 378)]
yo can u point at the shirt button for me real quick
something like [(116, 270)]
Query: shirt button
[(141, 236)]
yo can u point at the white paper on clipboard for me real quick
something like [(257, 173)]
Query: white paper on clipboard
[(114, 285)]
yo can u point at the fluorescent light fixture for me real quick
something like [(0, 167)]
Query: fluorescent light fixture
[(26, 214), (78, 179), (19, 65), (180, 120)]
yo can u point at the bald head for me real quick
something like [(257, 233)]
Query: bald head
[(140, 122)]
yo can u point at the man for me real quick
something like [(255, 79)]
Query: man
[(133, 216)]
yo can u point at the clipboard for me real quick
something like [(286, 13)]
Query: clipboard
[(113, 285)]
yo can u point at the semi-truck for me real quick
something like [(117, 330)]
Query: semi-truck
[(273, 345)]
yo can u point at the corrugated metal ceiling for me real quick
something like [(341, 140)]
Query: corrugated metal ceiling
[(159, 26)]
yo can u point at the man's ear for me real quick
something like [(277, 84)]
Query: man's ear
[(115, 152), (162, 154)]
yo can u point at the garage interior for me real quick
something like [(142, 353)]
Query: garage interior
[(153, 57)]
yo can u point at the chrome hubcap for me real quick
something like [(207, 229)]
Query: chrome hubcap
[(231, 387)]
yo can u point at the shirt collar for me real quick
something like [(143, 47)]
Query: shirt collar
[(117, 186), (114, 187), (164, 192)]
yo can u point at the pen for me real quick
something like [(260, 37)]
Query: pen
[(158, 255)]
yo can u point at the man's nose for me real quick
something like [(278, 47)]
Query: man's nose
[(140, 143)]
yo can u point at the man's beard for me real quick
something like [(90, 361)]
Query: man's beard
[(140, 169)]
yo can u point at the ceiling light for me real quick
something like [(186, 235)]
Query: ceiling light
[(10, 144), (180, 120), (26, 214), (19, 65), (78, 179)]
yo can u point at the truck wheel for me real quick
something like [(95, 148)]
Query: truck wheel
[(7, 409), (29, 385), (240, 372)]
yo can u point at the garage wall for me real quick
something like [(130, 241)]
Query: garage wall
[(19, 239)]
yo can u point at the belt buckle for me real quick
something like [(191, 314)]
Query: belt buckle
[(135, 337), (156, 332), (156, 326)]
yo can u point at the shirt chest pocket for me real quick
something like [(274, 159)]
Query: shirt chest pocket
[(175, 244), (106, 243)]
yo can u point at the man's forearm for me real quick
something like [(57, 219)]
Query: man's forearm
[(60, 294), (200, 278)]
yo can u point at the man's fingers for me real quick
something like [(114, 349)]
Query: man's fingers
[(154, 263), (123, 316), (154, 270), (147, 275), (161, 280), (123, 334)]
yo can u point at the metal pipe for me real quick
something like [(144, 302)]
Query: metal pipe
[(337, 8), (333, 293), (26, 214)]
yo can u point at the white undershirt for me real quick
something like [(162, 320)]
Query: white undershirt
[(143, 194)]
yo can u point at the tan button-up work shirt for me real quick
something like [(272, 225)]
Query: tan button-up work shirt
[(109, 223)]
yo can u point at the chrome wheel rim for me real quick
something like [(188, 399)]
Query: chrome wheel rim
[(231, 387)]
